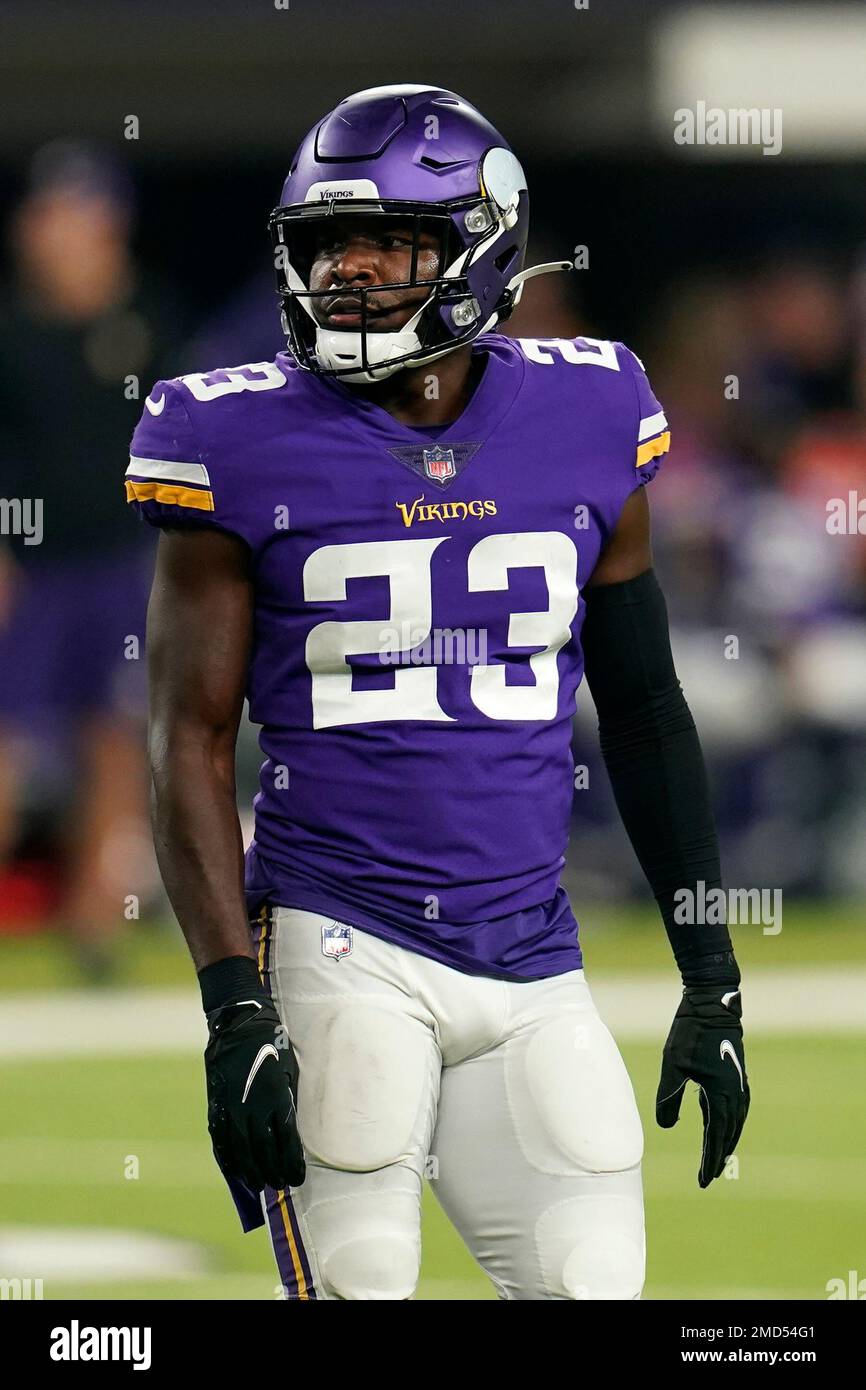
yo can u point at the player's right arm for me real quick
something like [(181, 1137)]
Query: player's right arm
[(199, 637), (198, 642), (199, 628)]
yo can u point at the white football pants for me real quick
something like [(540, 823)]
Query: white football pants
[(512, 1099)]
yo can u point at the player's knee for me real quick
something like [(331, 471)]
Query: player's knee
[(592, 1246), (369, 1268), (604, 1266)]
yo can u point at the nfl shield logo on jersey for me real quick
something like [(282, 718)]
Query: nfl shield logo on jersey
[(336, 940), (439, 463)]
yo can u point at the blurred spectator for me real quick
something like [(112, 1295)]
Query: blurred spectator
[(83, 332), (761, 379)]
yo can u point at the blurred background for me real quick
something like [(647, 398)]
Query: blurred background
[(141, 151)]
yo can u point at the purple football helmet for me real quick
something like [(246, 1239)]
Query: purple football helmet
[(427, 157)]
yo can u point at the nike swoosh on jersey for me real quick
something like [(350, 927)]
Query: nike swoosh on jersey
[(267, 1051), (155, 407), (726, 1049)]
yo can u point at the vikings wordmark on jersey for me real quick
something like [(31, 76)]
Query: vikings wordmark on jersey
[(426, 802)]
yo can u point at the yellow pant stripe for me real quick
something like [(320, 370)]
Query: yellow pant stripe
[(293, 1249)]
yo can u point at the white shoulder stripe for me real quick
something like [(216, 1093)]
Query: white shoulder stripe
[(166, 471), (653, 424)]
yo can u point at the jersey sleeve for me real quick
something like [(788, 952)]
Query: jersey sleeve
[(167, 481), (653, 438)]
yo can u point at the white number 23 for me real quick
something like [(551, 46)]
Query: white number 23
[(407, 566)]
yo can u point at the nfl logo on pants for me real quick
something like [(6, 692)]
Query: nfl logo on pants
[(336, 940), (439, 463)]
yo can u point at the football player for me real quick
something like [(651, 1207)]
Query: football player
[(412, 998)]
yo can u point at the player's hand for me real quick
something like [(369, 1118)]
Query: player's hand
[(252, 1082), (705, 1045)]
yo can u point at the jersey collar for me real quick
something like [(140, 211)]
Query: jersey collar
[(492, 399)]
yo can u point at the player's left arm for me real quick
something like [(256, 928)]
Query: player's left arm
[(653, 755)]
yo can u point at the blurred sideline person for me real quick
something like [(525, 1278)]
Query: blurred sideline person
[(784, 745), (79, 323), (413, 982)]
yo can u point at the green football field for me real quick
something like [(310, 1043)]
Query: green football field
[(108, 1188)]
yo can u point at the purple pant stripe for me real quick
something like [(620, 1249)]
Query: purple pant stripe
[(287, 1261)]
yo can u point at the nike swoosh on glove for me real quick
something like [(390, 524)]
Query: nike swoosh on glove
[(705, 1045), (252, 1083)]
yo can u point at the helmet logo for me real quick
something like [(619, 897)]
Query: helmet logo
[(341, 190), (502, 177)]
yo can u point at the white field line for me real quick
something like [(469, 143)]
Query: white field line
[(829, 999), (141, 1022), (79, 1253), (80, 1023)]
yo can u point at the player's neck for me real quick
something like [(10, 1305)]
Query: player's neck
[(435, 393)]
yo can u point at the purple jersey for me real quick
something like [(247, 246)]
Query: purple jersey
[(417, 628)]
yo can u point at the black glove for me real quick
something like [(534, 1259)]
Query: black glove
[(705, 1045), (252, 1082)]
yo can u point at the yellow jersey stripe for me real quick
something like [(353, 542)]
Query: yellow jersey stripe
[(173, 495), (652, 449)]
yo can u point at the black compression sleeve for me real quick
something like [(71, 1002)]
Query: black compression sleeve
[(653, 756)]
